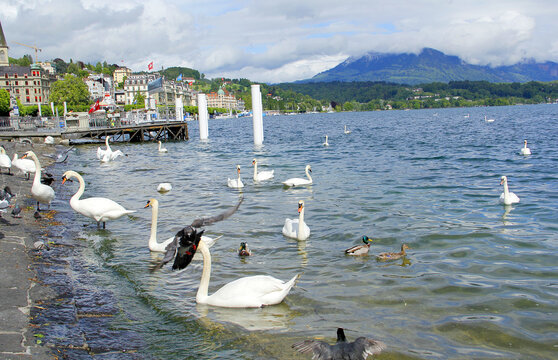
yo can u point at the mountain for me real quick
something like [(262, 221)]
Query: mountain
[(431, 66)]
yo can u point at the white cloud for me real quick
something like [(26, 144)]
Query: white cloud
[(277, 41)]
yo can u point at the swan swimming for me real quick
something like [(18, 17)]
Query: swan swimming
[(325, 143), (346, 131), (507, 197), (262, 175), (525, 150), (97, 208), (162, 149), (247, 292), (235, 183), (164, 187), (108, 155), (162, 247), (300, 181), (488, 120), (297, 228), (40, 192)]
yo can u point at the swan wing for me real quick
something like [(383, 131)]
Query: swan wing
[(211, 220), (265, 175), (100, 153), (297, 182), (290, 228)]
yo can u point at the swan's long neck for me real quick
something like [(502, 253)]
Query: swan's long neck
[(309, 177), (201, 296), (154, 216), (81, 189), (255, 170), (37, 179), (506, 190), (107, 143), (159, 146), (300, 223), (525, 146)]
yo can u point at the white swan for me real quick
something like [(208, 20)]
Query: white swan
[(235, 183), (5, 161), (98, 208), (40, 192), (325, 143), (507, 197), (297, 228), (247, 292), (26, 166), (488, 120), (300, 181), (164, 187), (161, 247), (346, 131), (108, 155), (262, 175), (49, 140), (525, 150), (162, 149), (101, 152)]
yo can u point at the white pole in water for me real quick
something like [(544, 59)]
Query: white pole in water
[(203, 116), (179, 109), (257, 116)]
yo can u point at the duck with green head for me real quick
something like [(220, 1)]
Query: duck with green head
[(360, 249)]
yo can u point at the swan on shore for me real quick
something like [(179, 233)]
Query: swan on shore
[(40, 192), (525, 150), (97, 208), (262, 175), (162, 149), (300, 181), (235, 183), (26, 166), (5, 161), (297, 228), (507, 197)]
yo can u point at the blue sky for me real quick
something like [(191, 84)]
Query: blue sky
[(279, 41)]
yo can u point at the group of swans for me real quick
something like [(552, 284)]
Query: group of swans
[(269, 174), (107, 154), (40, 192)]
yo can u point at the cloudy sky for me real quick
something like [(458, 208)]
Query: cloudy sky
[(281, 40)]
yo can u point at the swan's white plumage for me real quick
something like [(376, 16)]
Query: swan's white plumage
[(26, 166), (164, 187), (488, 120), (5, 161), (525, 150), (156, 246), (297, 228), (40, 192), (235, 183), (49, 140), (262, 175), (300, 181), (325, 142), (98, 208), (162, 149), (101, 152), (507, 197), (247, 292), (346, 131), (108, 155)]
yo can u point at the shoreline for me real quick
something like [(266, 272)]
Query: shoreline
[(50, 305)]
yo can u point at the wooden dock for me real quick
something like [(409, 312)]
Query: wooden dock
[(147, 132)]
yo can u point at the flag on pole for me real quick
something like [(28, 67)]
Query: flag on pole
[(94, 107), (179, 78), (150, 66)]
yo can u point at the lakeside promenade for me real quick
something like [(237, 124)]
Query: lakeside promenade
[(50, 307)]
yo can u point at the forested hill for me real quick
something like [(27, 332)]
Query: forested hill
[(432, 66)]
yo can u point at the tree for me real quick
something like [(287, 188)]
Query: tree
[(4, 102), (139, 100), (71, 90)]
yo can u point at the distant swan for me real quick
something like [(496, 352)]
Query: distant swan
[(325, 143), (525, 150), (297, 228), (507, 197), (164, 187), (488, 120), (98, 208), (346, 131), (300, 181), (40, 192), (161, 247), (247, 292), (262, 175), (235, 183), (162, 149)]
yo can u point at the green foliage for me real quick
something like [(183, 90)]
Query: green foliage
[(72, 90), (26, 60), (173, 72), (4, 102)]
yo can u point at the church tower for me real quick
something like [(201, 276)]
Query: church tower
[(4, 60)]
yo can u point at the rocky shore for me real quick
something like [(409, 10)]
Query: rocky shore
[(50, 305)]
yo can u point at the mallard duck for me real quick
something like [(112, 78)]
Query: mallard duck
[(360, 249), (393, 255), (358, 349), (243, 250)]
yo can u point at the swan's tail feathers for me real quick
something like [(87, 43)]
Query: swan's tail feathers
[(211, 220), (188, 242)]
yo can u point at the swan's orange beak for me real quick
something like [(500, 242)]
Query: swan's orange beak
[(147, 205), (64, 179), (299, 208), (24, 156), (501, 182)]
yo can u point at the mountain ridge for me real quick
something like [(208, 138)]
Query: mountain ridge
[(431, 65)]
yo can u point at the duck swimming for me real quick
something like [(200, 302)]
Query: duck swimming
[(243, 250), (393, 255), (360, 249)]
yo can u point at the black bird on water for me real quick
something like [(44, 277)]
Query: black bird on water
[(342, 350), (186, 241)]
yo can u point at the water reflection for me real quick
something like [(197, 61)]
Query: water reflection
[(507, 209)]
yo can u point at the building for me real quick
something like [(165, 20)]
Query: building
[(4, 59), (47, 66), (137, 84), (98, 85), (29, 84), (223, 99), (165, 94), (120, 73)]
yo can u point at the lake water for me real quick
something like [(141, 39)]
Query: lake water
[(480, 279)]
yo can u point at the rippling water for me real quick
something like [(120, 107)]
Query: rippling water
[(480, 280)]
